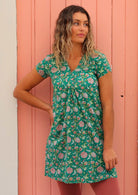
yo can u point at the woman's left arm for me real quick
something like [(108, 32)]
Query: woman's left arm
[(106, 95)]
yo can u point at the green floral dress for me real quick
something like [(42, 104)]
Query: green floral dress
[(74, 149)]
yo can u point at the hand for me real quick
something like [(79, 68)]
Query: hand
[(110, 158)]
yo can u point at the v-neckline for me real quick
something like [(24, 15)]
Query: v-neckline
[(80, 62)]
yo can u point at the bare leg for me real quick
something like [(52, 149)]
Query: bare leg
[(69, 189), (106, 187)]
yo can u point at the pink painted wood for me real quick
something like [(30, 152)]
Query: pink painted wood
[(115, 30), (118, 62), (131, 96)]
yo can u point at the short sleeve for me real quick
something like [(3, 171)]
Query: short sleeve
[(43, 67), (103, 66)]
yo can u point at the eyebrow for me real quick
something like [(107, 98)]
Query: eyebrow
[(80, 20)]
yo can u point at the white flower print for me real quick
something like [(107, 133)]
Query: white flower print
[(58, 98), (85, 95), (63, 68), (85, 68), (81, 124), (97, 112), (100, 169), (58, 171), (79, 170), (63, 95), (77, 139), (77, 94), (93, 154), (41, 72), (49, 141), (90, 80), (96, 139), (59, 127), (61, 155), (68, 139), (84, 154), (64, 125), (89, 124), (77, 69), (91, 110), (53, 70), (52, 170), (54, 114), (69, 170), (75, 109), (68, 109)]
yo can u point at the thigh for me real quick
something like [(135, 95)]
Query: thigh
[(69, 189), (106, 187)]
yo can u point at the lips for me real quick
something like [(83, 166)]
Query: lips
[(80, 35)]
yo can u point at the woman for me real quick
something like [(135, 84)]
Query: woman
[(79, 148)]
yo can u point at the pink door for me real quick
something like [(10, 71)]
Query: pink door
[(115, 30)]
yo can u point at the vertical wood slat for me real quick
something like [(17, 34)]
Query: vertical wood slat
[(73, 2), (131, 99), (103, 23), (41, 120), (118, 63), (24, 112), (32, 16)]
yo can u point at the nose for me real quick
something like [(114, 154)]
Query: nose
[(81, 27)]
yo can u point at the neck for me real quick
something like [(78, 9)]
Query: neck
[(76, 51)]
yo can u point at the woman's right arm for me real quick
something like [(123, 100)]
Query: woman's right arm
[(21, 91)]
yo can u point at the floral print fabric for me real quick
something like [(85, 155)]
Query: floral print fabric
[(74, 149)]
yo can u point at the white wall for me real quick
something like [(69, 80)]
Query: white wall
[(8, 105)]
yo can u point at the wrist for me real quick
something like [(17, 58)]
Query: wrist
[(49, 108), (108, 142), (107, 147)]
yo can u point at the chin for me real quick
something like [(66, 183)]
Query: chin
[(78, 41)]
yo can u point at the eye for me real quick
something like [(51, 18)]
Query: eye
[(86, 24), (76, 23)]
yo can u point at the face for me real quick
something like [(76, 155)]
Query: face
[(79, 27)]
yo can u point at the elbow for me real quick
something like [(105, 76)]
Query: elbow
[(16, 92)]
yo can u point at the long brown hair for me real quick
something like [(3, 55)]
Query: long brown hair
[(62, 34)]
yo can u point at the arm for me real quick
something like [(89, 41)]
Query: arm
[(21, 91), (106, 95)]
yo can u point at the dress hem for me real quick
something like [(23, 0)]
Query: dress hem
[(100, 179)]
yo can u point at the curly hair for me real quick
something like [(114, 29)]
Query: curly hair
[(62, 34)]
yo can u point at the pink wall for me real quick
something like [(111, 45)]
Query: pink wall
[(115, 30)]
